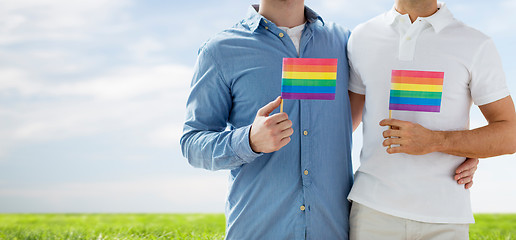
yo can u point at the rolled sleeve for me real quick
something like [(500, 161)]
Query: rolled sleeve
[(241, 145)]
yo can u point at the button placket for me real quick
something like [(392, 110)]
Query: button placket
[(408, 40)]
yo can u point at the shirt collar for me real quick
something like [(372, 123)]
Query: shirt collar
[(442, 18), (439, 20), (254, 19)]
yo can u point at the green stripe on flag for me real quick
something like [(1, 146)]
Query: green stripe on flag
[(308, 82), (416, 94)]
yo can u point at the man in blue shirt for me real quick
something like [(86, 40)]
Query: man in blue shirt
[(299, 191), (290, 172)]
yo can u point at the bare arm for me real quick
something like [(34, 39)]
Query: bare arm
[(463, 174), (497, 138), (357, 106)]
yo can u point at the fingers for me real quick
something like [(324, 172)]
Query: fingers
[(278, 117), (286, 133), (284, 142), (267, 109), (469, 163), (392, 141), (465, 180), (393, 122), (391, 133), (465, 173), (285, 124), (392, 150)]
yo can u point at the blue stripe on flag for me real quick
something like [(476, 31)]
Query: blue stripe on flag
[(415, 101)]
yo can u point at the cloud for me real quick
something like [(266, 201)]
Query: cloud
[(350, 9), (30, 20), (145, 47), (130, 97), (492, 190), (155, 194), (166, 135)]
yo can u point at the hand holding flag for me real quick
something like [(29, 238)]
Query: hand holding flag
[(412, 138), (270, 133)]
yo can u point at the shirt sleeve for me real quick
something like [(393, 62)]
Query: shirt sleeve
[(356, 84), (487, 76), (206, 142)]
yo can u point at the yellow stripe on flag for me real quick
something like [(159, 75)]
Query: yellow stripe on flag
[(416, 87), (310, 75)]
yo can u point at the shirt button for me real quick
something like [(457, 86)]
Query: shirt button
[(408, 38), (306, 172), (266, 27), (302, 207), (280, 35), (305, 133)]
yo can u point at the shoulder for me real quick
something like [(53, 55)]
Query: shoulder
[(331, 28), (331, 34), (370, 26), (226, 38), (467, 34)]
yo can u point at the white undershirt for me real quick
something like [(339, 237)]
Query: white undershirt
[(295, 34)]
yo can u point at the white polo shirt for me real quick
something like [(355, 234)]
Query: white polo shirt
[(419, 188)]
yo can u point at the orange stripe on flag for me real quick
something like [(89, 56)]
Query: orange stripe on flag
[(417, 80)]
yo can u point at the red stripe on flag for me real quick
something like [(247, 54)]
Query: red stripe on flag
[(420, 74), (310, 61)]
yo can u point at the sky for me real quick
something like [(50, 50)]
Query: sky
[(93, 94)]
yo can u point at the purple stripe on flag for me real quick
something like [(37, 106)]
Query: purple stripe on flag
[(419, 108), (320, 96)]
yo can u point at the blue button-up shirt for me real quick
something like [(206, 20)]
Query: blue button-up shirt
[(298, 192)]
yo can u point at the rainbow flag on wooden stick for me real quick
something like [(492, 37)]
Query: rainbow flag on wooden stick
[(416, 91), (309, 78)]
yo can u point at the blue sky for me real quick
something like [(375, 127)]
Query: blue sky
[(92, 97)]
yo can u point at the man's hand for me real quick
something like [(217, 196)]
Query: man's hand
[(412, 138), (270, 133), (464, 173)]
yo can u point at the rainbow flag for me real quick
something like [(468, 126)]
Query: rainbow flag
[(416, 91), (309, 78)]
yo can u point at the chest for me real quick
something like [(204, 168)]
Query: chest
[(385, 55)]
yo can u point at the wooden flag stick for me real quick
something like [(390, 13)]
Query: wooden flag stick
[(281, 106), (390, 127)]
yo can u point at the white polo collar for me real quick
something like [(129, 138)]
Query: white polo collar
[(439, 20)]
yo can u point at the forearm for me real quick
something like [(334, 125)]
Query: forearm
[(495, 139)]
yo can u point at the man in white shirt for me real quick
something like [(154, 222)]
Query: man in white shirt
[(427, 68)]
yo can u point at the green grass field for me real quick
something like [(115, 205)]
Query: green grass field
[(173, 226)]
